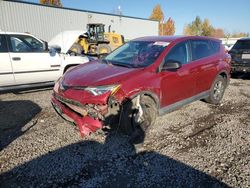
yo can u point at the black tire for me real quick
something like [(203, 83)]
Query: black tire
[(103, 49), (149, 111), (128, 124), (76, 48), (217, 90)]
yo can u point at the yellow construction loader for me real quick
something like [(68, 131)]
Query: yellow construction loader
[(96, 41)]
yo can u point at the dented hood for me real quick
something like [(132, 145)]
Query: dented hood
[(97, 74), (65, 39)]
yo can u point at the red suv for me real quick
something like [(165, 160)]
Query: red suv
[(142, 79)]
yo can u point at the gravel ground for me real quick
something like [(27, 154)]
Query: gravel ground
[(199, 145)]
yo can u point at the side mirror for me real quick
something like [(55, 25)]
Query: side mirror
[(55, 48), (171, 65)]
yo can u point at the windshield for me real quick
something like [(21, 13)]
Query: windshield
[(242, 44), (136, 54)]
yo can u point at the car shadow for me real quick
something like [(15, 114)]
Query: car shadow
[(114, 163), (15, 119), (28, 90)]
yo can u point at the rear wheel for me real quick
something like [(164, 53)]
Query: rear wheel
[(217, 90), (135, 121)]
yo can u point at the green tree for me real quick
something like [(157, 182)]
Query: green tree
[(56, 3), (199, 27), (207, 28), (196, 26)]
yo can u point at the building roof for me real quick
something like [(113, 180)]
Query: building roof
[(80, 10)]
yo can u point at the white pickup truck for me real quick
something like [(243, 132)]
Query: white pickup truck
[(26, 60)]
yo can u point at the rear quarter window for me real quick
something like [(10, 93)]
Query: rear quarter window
[(215, 46), (201, 49), (3, 44)]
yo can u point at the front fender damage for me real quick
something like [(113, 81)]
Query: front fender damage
[(88, 115)]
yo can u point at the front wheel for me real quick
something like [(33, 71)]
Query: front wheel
[(137, 118), (217, 90)]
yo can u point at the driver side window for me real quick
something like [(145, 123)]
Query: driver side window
[(24, 43), (178, 53)]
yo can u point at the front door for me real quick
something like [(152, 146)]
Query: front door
[(6, 73), (178, 85), (31, 64)]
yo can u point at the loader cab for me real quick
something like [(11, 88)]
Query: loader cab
[(96, 32)]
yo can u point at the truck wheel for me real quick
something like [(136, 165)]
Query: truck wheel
[(76, 48), (217, 90), (133, 125), (103, 49)]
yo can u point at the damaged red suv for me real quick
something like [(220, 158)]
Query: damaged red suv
[(142, 79)]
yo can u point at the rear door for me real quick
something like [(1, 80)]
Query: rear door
[(206, 57), (31, 64), (6, 73)]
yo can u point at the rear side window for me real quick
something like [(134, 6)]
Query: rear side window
[(201, 49), (3, 44), (215, 46)]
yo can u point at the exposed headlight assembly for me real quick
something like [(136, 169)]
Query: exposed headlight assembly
[(99, 90)]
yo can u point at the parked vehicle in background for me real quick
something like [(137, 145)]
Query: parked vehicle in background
[(229, 42), (240, 54), (28, 61), (142, 79)]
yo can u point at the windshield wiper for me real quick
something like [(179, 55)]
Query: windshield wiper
[(105, 61), (122, 65)]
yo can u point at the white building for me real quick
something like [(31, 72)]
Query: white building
[(46, 21)]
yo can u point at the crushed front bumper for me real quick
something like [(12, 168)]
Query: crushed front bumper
[(78, 115)]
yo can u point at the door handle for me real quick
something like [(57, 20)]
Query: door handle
[(16, 58)]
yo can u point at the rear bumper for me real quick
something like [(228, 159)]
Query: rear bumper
[(240, 69), (86, 124), (240, 66)]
